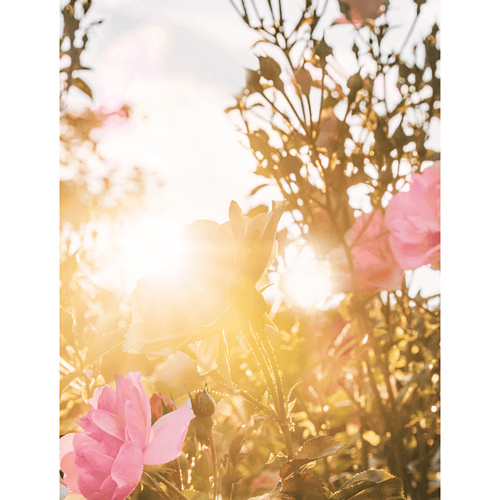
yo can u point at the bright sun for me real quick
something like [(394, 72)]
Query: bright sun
[(153, 243), (307, 282), (148, 244)]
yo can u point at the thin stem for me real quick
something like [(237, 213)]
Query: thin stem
[(363, 229), (302, 123), (214, 464), (235, 387), (169, 485), (235, 8), (282, 412), (385, 369), (283, 115), (281, 18), (410, 31), (268, 348), (260, 350), (272, 11), (178, 473), (257, 350)]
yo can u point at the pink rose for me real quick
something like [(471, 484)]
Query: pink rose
[(414, 219), (364, 9), (375, 264), (106, 460)]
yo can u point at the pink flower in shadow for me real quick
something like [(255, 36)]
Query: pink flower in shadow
[(361, 11), (267, 479), (374, 262), (366, 9), (414, 219), (106, 460)]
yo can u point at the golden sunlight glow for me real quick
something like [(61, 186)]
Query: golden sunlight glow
[(148, 244), (307, 282)]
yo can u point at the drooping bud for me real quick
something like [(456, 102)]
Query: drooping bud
[(160, 405)]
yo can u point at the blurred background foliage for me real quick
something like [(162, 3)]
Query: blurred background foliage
[(326, 138)]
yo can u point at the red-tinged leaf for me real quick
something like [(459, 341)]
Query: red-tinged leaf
[(304, 486)]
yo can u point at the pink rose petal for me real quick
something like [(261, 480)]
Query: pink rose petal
[(106, 460), (167, 435), (414, 219)]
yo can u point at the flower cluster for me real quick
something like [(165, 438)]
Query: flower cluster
[(406, 237)]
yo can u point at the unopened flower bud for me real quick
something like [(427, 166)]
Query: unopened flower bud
[(160, 405), (203, 404)]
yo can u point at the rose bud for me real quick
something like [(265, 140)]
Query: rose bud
[(203, 404), (160, 405)]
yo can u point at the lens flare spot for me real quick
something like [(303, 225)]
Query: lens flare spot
[(148, 244), (307, 282)]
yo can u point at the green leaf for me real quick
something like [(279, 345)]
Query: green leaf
[(319, 447), (271, 70), (291, 390), (236, 444), (312, 450), (372, 484), (80, 84), (273, 457), (257, 188), (305, 486)]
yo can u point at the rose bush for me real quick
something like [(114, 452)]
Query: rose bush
[(106, 460)]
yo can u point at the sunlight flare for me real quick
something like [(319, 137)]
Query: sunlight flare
[(148, 243), (307, 282)]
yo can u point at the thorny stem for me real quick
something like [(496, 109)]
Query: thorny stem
[(282, 412), (275, 387), (257, 350)]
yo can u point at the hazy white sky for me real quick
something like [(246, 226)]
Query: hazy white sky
[(178, 64)]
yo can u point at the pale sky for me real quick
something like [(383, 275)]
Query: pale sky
[(178, 64)]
